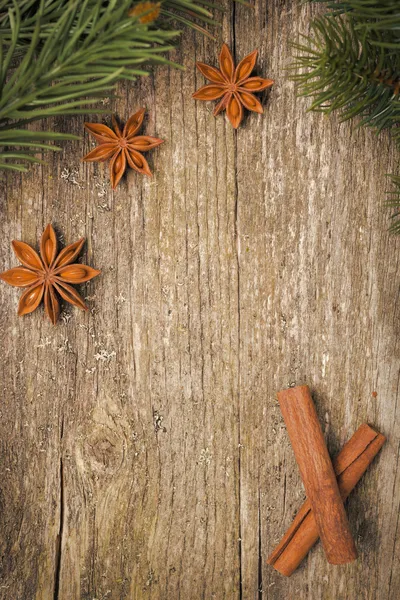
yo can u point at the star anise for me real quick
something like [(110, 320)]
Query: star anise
[(235, 87), (146, 12), (122, 147), (47, 274)]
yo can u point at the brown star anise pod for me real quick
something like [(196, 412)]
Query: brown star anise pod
[(121, 146), (235, 87), (146, 12), (47, 274)]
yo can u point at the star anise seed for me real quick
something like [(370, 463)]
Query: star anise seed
[(47, 274), (122, 147), (234, 87)]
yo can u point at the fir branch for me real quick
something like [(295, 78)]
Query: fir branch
[(342, 69), (350, 62), (381, 16), (60, 57)]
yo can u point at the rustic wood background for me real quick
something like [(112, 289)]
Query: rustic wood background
[(143, 454)]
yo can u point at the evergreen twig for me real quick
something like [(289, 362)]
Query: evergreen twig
[(60, 57), (350, 62)]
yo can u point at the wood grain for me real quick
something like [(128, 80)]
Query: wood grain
[(143, 455)]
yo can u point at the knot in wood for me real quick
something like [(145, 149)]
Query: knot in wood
[(103, 449)]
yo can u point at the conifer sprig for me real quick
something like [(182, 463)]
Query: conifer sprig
[(60, 57), (342, 67), (350, 62)]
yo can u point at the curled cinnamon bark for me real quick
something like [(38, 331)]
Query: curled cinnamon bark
[(317, 474), (350, 465)]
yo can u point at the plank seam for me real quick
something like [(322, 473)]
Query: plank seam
[(59, 539)]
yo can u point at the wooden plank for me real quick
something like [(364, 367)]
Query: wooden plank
[(143, 455), (318, 304)]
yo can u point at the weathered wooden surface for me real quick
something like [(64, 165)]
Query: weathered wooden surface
[(143, 454)]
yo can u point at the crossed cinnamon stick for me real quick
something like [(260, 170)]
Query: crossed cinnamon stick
[(327, 485)]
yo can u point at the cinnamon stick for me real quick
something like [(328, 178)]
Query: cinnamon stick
[(350, 465), (317, 474)]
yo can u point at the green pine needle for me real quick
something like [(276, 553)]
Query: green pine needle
[(340, 69)]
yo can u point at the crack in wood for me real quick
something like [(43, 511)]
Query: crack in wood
[(260, 560), (238, 301), (241, 566), (59, 539)]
